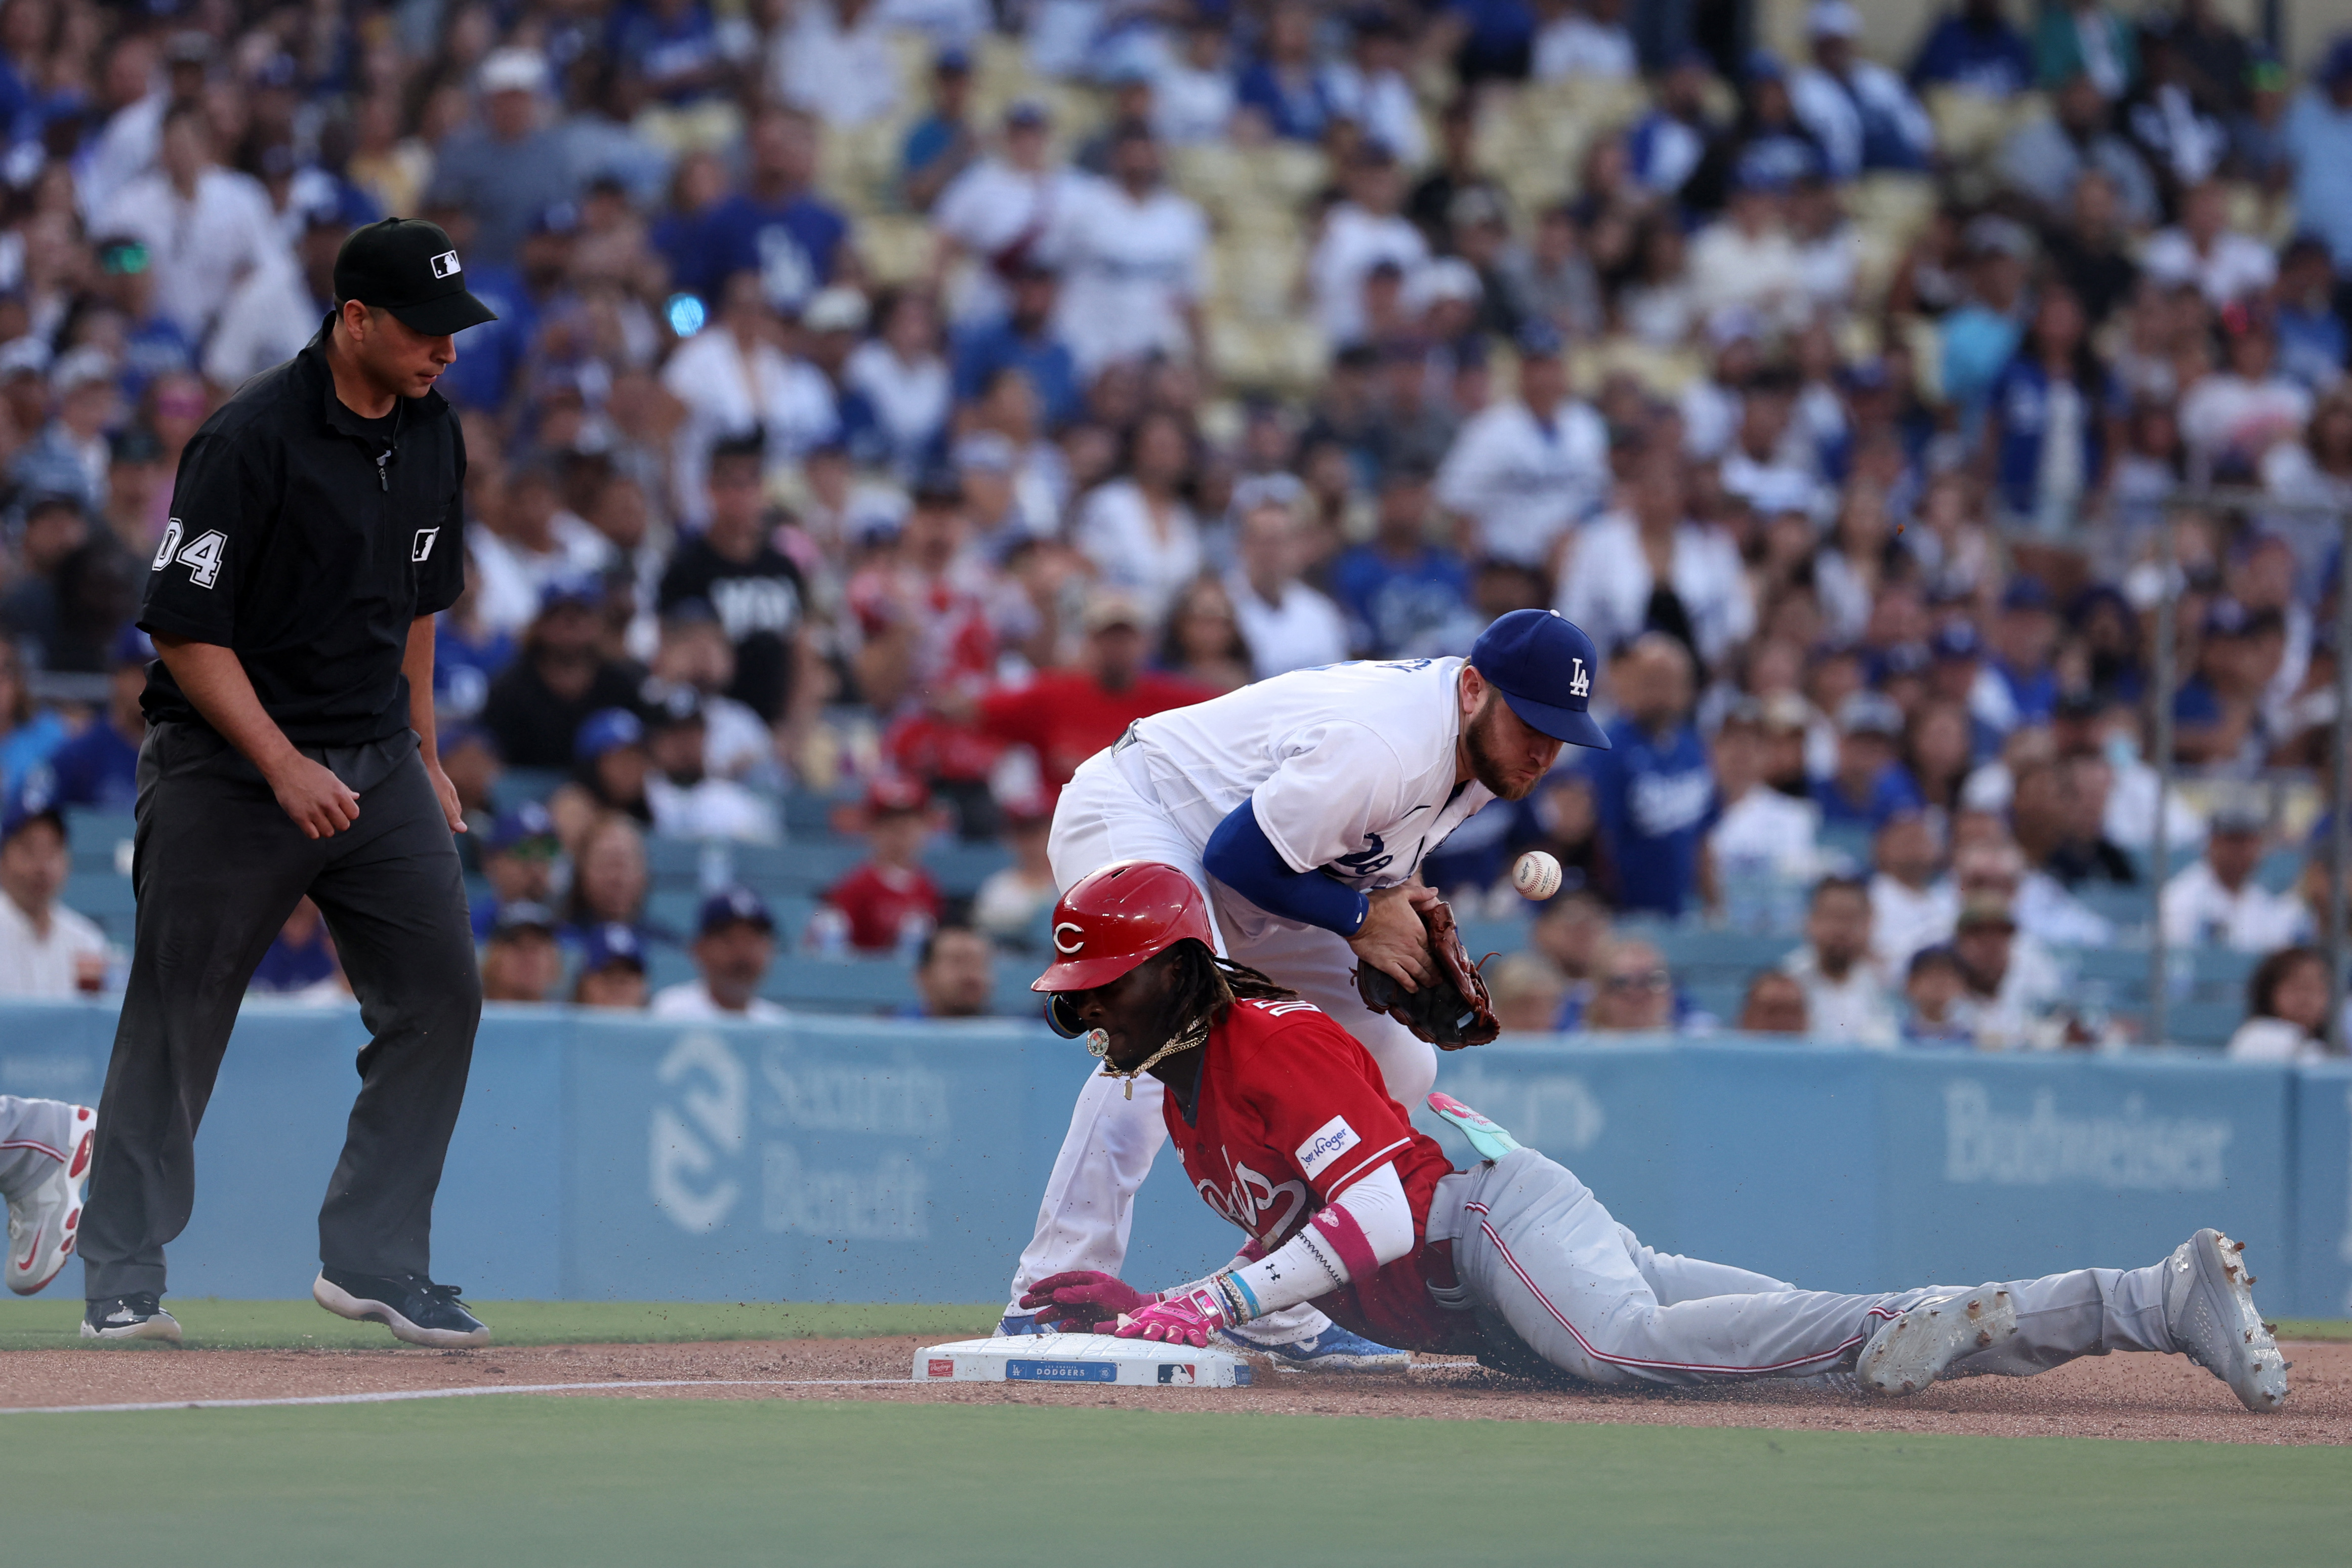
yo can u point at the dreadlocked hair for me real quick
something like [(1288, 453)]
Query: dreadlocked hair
[(1204, 986)]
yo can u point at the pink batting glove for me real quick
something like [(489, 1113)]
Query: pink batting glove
[(1187, 1319), (1083, 1300)]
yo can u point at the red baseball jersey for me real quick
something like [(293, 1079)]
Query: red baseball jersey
[(1291, 1112), (879, 899)]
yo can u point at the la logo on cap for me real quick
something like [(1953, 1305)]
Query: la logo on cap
[(447, 265)]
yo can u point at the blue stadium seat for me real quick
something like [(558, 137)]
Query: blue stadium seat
[(960, 867), (98, 840), (98, 894), (517, 786), (2203, 1023), (840, 985)]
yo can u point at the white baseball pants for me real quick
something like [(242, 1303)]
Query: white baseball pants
[(1533, 1244), (1106, 814)]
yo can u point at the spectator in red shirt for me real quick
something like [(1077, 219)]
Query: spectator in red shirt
[(1068, 715), (891, 899)]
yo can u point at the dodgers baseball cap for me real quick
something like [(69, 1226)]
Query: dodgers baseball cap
[(35, 800), (409, 267), (612, 944), (607, 730), (1544, 666), (527, 823), (734, 906)]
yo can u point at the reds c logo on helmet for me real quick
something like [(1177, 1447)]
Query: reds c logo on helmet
[(1114, 918)]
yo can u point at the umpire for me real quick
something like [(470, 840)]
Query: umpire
[(315, 529)]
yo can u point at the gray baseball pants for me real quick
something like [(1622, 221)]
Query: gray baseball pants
[(217, 869), (1534, 1248), (35, 1136)]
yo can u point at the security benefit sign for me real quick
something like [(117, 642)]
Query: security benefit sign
[(808, 1162), (1999, 1168)]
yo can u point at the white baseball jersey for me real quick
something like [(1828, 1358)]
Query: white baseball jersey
[(1524, 483), (1351, 767)]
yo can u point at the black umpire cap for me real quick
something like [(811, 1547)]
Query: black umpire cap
[(409, 267)]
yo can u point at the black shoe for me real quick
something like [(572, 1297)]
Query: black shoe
[(137, 1316), (416, 1309)]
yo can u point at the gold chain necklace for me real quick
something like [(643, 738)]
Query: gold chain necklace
[(1099, 1046)]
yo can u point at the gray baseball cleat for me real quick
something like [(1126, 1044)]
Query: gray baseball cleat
[(1910, 1351), (2209, 1308)]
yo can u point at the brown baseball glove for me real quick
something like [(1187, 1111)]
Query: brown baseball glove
[(1451, 1014)]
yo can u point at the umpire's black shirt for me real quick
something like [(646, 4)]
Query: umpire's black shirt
[(308, 540)]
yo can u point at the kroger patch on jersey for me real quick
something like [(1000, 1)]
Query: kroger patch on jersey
[(1330, 1141)]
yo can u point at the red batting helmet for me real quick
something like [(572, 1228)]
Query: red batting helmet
[(1114, 918)]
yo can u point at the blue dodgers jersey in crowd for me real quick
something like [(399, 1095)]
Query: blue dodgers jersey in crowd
[(791, 245), (1655, 798)]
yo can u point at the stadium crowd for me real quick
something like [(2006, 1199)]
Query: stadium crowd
[(892, 399)]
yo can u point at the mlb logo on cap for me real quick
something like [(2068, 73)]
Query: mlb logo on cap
[(447, 265)]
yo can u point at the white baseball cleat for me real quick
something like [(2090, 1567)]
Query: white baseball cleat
[(44, 1222), (1912, 1350), (2209, 1307)]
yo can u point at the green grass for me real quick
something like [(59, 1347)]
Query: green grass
[(44, 1323), (586, 1482), (2314, 1329)]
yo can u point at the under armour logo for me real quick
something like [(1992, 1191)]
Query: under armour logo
[(1077, 938), (447, 265)]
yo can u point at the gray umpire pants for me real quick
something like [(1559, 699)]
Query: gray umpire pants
[(1535, 1249), (218, 868)]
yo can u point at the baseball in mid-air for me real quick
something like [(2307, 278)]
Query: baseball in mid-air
[(1536, 875)]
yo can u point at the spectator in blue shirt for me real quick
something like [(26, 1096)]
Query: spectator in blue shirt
[(2319, 140), (1498, 38), (672, 47), (942, 144), (2055, 389), (1654, 788), (1868, 786), (1975, 50), (1399, 591), (1283, 89), (1023, 340), (2311, 339), (775, 226), (2024, 636), (100, 767)]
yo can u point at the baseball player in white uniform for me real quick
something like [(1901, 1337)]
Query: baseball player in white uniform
[(1301, 806)]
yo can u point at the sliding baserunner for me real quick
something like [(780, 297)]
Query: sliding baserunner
[(1285, 1128), (1301, 808)]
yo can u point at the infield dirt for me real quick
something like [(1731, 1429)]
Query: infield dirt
[(2120, 1396)]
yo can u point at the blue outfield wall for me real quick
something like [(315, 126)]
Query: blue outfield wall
[(829, 1159)]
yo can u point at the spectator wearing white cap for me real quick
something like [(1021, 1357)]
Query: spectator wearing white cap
[(1863, 114), (508, 167), (206, 228)]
